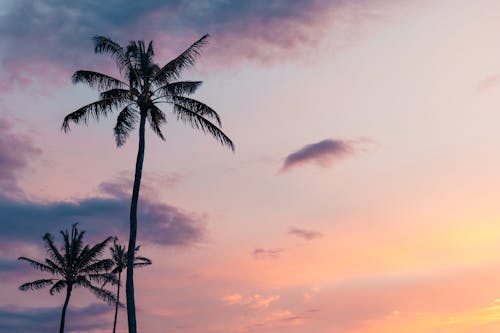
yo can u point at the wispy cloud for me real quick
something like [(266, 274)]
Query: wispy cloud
[(305, 234), (254, 302), (322, 153), (261, 253), (488, 83)]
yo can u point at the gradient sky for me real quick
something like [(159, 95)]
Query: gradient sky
[(363, 195)]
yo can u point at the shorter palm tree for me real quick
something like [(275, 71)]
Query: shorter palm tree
[(74, 265), (119, 256)]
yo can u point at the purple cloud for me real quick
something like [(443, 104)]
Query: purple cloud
[(261, 253), (305, 234), (16, 151), (321, 153)]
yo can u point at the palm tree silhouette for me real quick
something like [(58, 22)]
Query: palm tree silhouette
[(119, 256), (146, 85), (76, 266)]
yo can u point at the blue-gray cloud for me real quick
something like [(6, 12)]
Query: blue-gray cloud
[(159, 223), (46, 320), (321, 153)]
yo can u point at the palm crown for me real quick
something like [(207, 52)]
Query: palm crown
[(119, 256), (77, 265), (145, 86)]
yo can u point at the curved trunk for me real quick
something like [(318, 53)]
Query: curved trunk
[(65, 306), (129, 290), (117, 300)]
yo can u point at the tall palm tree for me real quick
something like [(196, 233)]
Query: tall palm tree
[(75, 265), (138, 96), (119, 256)]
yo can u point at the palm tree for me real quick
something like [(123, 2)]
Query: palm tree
[(145, 86), (75, 265), (119, 256)]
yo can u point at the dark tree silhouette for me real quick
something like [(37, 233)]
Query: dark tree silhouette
[(75, 265), (145, 86), (119, 256)]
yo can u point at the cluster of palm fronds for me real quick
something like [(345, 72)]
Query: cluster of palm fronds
[(75, 264)]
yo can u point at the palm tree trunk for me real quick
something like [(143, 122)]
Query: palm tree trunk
[(129, 290), (117, 300), (65, 306)]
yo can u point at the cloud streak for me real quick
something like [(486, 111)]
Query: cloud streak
[(305, 234), (261, 253), (322, 153)]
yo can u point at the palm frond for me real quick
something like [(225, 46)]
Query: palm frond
[(156, 119), (150, 52), (198, 107), (57, 287), (98, 266), (173, 69), (181, 88), (103, 278), (38, 265), (97, 80), (118, 94), (52, 249), (67, 248), (88, 256), (105, 45), (142, 261), (124, 125), (35, 285), (76, 242), (197, 121), (93, 110), (105, 295), (55, 267)]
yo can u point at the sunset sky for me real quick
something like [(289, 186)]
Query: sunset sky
[(363, 195)]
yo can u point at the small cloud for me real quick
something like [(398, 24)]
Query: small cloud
[(322, 153), (261, 253), (305, 234), (309, 294), (254, 302), (274, 320), (233, 299), (488, 82)]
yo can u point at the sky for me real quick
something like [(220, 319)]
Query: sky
[(363, 194)]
